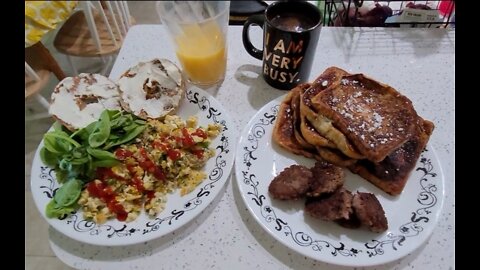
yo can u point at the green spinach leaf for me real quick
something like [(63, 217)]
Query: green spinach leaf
[(68, 193), (53, 210), (126, 138), (101, 154), (76, 155), (101, 132), (49, 158), (105, 163)]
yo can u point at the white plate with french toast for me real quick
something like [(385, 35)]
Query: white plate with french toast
[(357, 223), (177, 208)]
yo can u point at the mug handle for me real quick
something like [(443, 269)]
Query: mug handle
[(259, 20)]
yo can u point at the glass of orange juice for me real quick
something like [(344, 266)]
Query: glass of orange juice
[(199, 33)]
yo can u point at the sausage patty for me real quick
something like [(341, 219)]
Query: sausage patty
[(333, 207), (370, 212), (326, 179), (291, 183)]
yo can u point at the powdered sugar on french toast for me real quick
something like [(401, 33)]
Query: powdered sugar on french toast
[(370, 114)]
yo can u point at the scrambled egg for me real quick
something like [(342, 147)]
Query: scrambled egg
[(169, 155)]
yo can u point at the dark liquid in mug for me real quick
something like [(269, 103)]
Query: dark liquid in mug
[(292, 22)]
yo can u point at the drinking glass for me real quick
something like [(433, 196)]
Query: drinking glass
[(198, 30)]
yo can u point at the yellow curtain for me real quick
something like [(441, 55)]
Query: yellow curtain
[(44, 16)]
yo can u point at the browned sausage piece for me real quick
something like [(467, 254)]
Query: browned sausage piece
[(370, 212), (352, 222), (336, 206), (326, 179), (292, 183)]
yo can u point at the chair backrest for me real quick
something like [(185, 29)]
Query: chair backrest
[(96, 29), (112, 13)]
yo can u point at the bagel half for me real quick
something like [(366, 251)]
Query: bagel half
[(153, 89), (78, 101)]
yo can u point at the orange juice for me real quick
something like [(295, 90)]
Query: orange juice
[(202, 53)]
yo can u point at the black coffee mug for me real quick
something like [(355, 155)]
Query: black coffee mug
[(290, 36)]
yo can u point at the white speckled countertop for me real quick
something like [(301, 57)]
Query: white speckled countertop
[(420, 63)]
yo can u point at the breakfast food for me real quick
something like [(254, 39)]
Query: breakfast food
[(391, 174), (369, 212), (326, 198), (78, 101), (327, 78), (168, 156), (351, 121), (151, 90), (112, 164), (374, 117), (316, 128), (291, 183), (284, 128), (326, 178), (296, 116), (356, 122), (337, 205)]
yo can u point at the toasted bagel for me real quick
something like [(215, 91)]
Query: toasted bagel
[(78, 101), (152, 89)]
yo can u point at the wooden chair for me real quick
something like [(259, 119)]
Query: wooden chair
[(39, 65), (97, 30)]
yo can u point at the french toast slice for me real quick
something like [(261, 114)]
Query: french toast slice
[(391, 174), (325, 127), (296, 115), (284, 129), (335, 156), (298, 143), (327, 78), (314, 126), (374, 117)]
